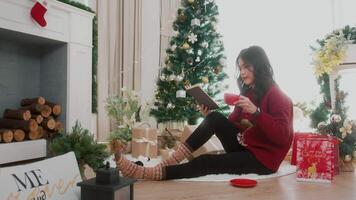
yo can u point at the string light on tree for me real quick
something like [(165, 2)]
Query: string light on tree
[(179, 78), (199, 52), (173, 47), (190, 51), (205, 44), (170, 106), (172, 77)]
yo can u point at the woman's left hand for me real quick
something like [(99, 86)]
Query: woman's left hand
[(246, 105)]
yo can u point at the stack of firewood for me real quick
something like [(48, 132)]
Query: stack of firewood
[(35, 119)]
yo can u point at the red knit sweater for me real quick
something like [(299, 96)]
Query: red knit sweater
[(271, 136)]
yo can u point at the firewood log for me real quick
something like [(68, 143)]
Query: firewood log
[(59, 126), (7, 135), (56, 108), (47, 111), (26, 126), (34, 135), (17, 114), (38, 100), (48, 123), (40, 135), (19, 135), (44, 110), (33, 108), (38, 118)]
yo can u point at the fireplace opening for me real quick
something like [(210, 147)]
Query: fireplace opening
[(30, 67)]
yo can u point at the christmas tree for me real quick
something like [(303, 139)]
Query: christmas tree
[(194, 56)]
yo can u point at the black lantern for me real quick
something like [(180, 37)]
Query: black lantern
[(107, 185)]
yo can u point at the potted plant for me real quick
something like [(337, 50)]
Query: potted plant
[(124, 111), (82, 143)]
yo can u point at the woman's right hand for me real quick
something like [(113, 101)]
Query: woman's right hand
[(204, 110)]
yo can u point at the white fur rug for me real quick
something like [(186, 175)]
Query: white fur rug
[(285, 169)]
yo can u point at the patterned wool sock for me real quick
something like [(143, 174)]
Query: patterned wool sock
[(178, 156), (133, 170)]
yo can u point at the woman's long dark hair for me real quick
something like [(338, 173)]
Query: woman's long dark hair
[(263, 72)]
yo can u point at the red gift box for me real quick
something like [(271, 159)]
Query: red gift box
[(297, 137), (316, 156)]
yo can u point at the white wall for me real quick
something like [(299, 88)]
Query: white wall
[(150, 48), (344, 13)]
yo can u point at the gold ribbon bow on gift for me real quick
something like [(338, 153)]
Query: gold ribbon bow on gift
[(145, 139)]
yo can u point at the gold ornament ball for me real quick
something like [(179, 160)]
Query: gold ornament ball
[(182, 18), (205, 80), (190, 1), (185, 46)]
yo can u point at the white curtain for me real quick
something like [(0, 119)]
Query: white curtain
[(168, 15), (119, 43)]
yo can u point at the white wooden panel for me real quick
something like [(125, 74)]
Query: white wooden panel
[(350, 54), (348, 63), (18, 151), (81, 29), (15, 15), (79, 86)]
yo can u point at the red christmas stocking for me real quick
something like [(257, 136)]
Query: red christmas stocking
[(37, 12)]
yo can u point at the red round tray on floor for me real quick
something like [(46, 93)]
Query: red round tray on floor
[(243, 182)]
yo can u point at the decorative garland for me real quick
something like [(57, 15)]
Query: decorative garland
[(334, 122), (94, 106), (330, 55), (77, 4)]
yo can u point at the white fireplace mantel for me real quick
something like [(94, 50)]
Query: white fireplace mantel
[(67, 24)]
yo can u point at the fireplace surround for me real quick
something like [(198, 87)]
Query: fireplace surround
[(52, 61)]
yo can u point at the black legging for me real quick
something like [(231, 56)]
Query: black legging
[(236, 160)]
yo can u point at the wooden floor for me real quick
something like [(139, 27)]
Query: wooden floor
[(286, 188)]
